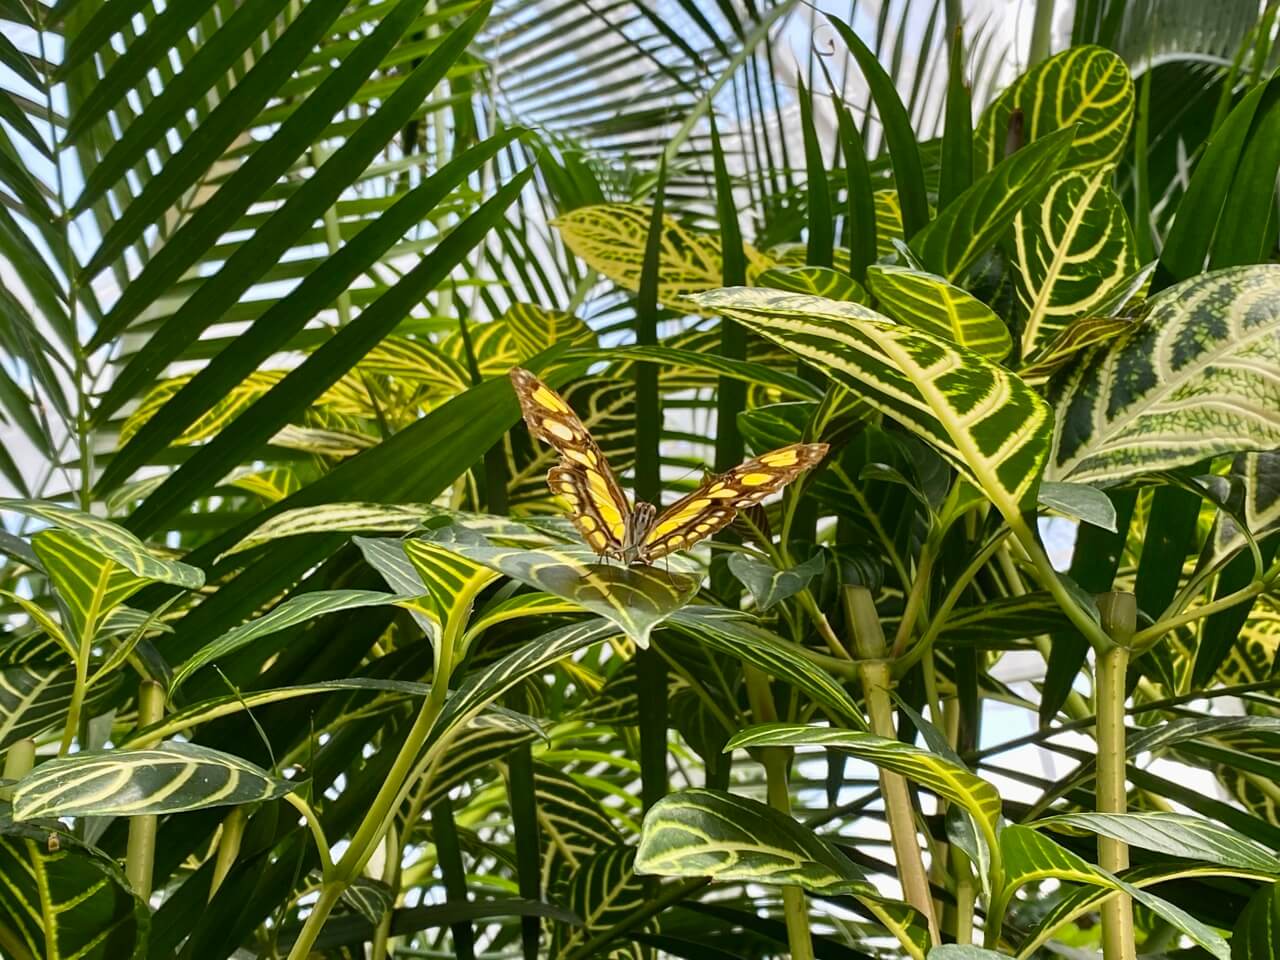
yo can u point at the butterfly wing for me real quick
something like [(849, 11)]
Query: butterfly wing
[(597, 505), (717, 500)]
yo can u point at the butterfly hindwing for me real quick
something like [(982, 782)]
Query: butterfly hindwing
[(713, 505), (597, 505)]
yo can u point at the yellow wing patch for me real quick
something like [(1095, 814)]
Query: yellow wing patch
[(596, 503), (714, 504)]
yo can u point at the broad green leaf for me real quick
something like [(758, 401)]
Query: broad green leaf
[(1083, 902), (485, 739), (955, 951), (89, 584), (295, 610), (1194, 380), (171, 778), (980, 416), (478, 691), (1073, 248), (611, 239), (574, 824), (111, 541), (1030, 856), (1175, 834), (1080, 502), (636, 598), (452, 580), (673, 358), (602, 890), (1257, 933), (944, 777), (1086, 88), (817, 281), (35, 696), (1073, 340), (768, 584), (368, 897), (737, 636), (338, 518), (63, 901), (928, 302), (534, 328), (974, 221), (707, 833), (1259, 473)]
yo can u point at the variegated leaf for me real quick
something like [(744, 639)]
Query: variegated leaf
[(976, 220), (980, 416), (928, 302), (602, 890), (818, 281), (1073, 248), (611, 239), (1195, 379), (1255, 934), (1259, 473), (492, 345), (534, 328), (64, 901), (768, 584), (1086, 88), (1073, 340), (487, 738), (708, 833), (36, 696), (1173, 834), (112, 541), (171, 778), (889, 227), (89, 583), (213, 420)]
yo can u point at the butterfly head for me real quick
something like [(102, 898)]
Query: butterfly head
[(639, 523)]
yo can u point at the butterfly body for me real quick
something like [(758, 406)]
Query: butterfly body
[(641, 533)]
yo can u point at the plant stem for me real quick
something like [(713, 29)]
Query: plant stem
[(18, 761), (228, 847), (1041, 32), (1119, 614), (869, 642), (140, 856)]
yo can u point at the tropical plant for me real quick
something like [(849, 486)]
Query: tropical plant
[(301, 657)]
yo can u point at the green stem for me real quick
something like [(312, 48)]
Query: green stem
[(317, 831), (869, 641), (1051, 581), (228, 847), (1153, 633), (1119, 613), (18, 761), (140, 856), (1041, 31)]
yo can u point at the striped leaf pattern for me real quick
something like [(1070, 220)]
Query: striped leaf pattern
[(974, 221), (1072, 340), (111, 541), (708, 833), (635, 598), (930, 303), (293, 611), (944, 777), (35, 696), (1030, 856), (90, 584), (368, 897), (1174, 834), (1259, 473), (65, 902), (1195, 379), (534, 328), (730, 633), (485, 740), (172, 778), (476, 692), (993, 427), (338, 518), (571, 821), (603, 890), (611, 238), (452, 581), (768, 584), (1257, 932), (1086, 88), (1073, 248), (817, 281)]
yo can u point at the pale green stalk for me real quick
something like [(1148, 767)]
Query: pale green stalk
[(1119, 616), (140, 855)]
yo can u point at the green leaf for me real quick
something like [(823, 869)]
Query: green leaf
[(635, 598), (172, 778), (944, 777), (955, 951), (62, 900), (1086, 88), (1030, 856), (1194, 380), (707, 833), (816, 281), (36, 696), (89, 584), (338, 518), (1080, 502), (485, 739), (732, 633), (111, 541), (602, 890), (295, 610), (674, 358), (534, 328), (977, 219), (1073, 248), (981, 417), (768, 584), (368, 897), (1259, 474), (1175, 834), (928, 302), (1256, 935)]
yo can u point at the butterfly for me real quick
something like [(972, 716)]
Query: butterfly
[(600, 510)]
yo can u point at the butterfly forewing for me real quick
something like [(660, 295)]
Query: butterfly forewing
[(597, 505), (718, 499)]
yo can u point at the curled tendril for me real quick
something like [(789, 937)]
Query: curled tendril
[(827, 49)]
